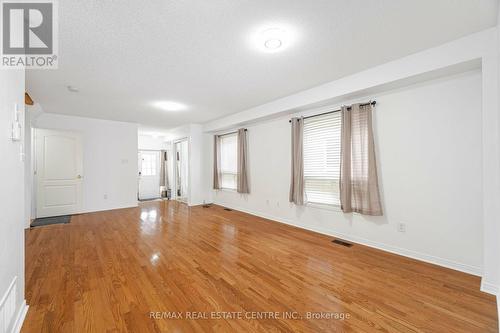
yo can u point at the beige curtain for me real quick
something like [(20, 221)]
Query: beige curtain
[(242, 177), (163, 169), (164, 173), (297, 181), (217, 173), (359, 190)]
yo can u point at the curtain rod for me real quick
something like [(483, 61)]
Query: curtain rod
[(234, 132), (320, 114)]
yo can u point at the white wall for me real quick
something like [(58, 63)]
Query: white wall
[(491, 167), (430, 164), (109, 159), (148, 142), (12, 218), (199, 183)]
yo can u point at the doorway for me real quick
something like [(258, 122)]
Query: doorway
[(149, 174), (58, 172), (181, 168)]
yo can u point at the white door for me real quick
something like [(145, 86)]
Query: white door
[(149, 174), (58, 172)]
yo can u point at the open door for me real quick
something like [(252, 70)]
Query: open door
[(59, 172)]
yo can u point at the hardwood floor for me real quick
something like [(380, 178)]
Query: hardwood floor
[(107, 271)]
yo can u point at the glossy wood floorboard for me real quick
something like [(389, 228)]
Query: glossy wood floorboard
[(106, 271)]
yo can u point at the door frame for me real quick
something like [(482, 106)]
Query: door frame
[(174, 168), (35, 195)]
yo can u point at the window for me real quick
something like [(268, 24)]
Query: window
[(228, 151), (322, 158), (148, 164)]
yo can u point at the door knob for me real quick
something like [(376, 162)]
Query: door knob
[(79, 177)]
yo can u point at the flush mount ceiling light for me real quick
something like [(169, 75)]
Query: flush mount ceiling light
[(169, 106), (273, 38), (272, 44)]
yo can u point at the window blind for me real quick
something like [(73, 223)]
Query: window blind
[(228, 155), (322, 158)]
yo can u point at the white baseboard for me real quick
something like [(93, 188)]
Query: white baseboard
[(95, 210), (367, 242), (21, 315), (489, 288)]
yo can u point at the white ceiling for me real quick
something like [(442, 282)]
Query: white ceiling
[(123, 55)]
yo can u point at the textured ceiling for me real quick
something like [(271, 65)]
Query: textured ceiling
[(123, 55)]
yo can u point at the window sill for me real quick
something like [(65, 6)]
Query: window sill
[(230, 190), (335, 208)]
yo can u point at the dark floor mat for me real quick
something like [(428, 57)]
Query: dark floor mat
[(150, 199), (51, 220)]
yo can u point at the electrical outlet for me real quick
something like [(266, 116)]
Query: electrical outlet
[(105, 197), (401, 227)]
